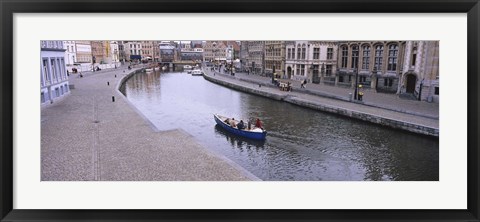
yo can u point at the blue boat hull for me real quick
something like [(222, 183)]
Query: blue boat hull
[(247, 134)]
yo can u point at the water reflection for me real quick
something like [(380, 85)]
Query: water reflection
[(301, 144)]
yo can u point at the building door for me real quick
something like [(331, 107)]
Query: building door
[(411, 82), (289, 72)]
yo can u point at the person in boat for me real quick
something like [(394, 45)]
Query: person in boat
[(241, 125), (227, 121), (249, 125), (258, 124), (232, 123)]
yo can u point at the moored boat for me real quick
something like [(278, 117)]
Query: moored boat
[(197, 72), (254, 133)]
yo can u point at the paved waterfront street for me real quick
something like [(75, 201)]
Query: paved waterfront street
[(419, 114), (87, 137), (370, 98)]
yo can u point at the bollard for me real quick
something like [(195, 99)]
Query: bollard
[(115, 76), (113, 98), (108, 83)]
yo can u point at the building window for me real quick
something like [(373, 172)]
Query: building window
[(354, 57), (315, 70), (293, 53), (316, 53), (366, 57), (437, 90), (328, 70), (289, 53), (298, 70), (304, 51), (53, 69), (362, 79), (62, 62), (329, 53), (392, 57), (299, 51), (57, 92), (344, 56), (42, 97), (414, 56), (388, 82), (302, 70), (46, 76), (378, 57), (340, 78)]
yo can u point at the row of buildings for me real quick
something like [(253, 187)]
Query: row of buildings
[(106, 52), (401, 67)]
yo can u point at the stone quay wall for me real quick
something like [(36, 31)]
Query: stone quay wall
[(376, 119)]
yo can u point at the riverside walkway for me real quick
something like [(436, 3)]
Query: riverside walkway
[(87, 137), (414, 116)]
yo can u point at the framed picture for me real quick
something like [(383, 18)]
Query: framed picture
[(78, 154)]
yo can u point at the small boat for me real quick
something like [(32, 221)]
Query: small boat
[(149, 69), (189, 71), (187, 67), (255, 133), (197, 72)]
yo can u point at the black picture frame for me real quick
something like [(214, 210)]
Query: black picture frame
[(9, 7)]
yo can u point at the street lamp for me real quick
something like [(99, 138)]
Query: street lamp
[(420, 91), (356, 82), (311, 71), (322, 72), (273, 74), (232, 57), (93, 63)]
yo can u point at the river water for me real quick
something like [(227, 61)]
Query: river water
[(301, 145)]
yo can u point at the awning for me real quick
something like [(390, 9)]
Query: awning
[(135, 57)]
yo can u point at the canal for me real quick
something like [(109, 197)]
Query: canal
[(301, 145)]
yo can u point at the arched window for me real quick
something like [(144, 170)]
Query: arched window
[(392, 57), (304, 51), (344, 56), (354, 56), (299, 51), (378, 57), (414, 56), (365, 57)]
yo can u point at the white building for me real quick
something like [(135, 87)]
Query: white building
[(84, 52), (315, 61), (70, 52), (53, 74), (133, 50), (114, 51)]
